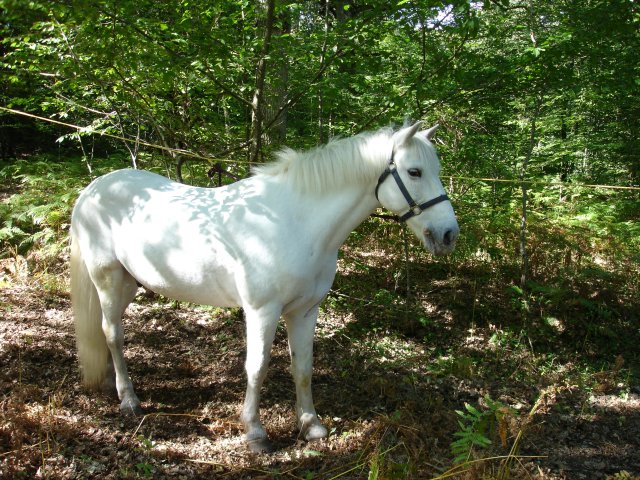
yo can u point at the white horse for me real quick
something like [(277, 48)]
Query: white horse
[(268, 243)]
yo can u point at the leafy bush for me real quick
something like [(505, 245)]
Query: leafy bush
[(35, 213)]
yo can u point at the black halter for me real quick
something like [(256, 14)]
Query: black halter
[(414, 208)]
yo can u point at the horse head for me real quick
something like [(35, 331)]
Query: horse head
[(411, 187)]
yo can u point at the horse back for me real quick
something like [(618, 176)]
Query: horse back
[(223, 246)]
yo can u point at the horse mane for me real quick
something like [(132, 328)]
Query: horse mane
[(359, 159)]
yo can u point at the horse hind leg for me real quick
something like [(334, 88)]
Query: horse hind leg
[(109, 383), (116, 289)]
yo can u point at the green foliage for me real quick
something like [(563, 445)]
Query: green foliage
[(145, 470), (622, 475), (40, 213), (35, 218), (477, 428), (183, 75)]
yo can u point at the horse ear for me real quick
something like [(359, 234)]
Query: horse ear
[(403, 136), (430, 133)]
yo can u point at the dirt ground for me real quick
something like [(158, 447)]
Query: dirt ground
[(389, 415)]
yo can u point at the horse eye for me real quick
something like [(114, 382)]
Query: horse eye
[(415, 172)]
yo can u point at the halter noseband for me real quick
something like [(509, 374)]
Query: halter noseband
[(414, 208)]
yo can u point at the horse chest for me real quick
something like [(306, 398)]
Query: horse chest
[(311, 288), (294, 280)]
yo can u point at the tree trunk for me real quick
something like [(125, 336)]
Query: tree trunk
[(275, 104), (261, 74), (525, 196)]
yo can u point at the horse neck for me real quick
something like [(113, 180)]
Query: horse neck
[(335, 195), (335, 215)]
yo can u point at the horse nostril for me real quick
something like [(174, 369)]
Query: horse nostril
[(449, 237)]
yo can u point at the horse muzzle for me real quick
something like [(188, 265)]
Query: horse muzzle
[(441, 241)]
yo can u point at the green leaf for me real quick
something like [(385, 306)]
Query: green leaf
[(312, 453)]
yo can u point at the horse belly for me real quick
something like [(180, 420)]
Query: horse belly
[(214, 291), (181, 275)]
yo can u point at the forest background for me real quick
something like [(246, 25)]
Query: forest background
[(539, 108)]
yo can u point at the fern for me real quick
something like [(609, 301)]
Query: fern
[(477, 427), (36, 216), (470, 435)]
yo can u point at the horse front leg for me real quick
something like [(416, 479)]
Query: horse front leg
[(261, 331), (301, 328)]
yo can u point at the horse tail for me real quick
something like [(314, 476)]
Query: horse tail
[(93, 352)]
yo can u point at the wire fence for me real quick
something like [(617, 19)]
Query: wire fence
[(219, 157)]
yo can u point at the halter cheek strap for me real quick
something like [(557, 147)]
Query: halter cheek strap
[(414, 208)]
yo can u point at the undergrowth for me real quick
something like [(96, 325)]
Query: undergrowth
[(411, 323), (38, 195)]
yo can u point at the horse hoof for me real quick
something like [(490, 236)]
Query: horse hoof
[(316, 432), (261, 445), (130, 408)]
